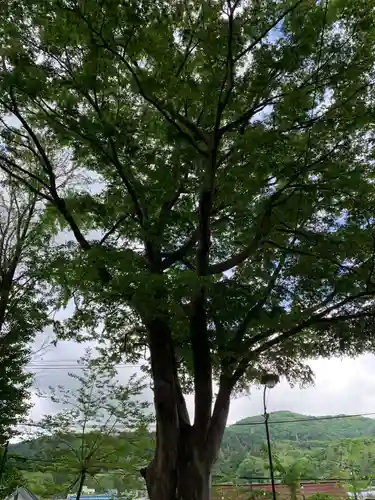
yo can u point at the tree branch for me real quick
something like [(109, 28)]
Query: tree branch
[(305, 253), (29, 174), (168, 204), (241, 330), (262, 228), (219, 418), (170, 258), (202, 362), (228, 80), (48, 168), (310, 321), (113, 229), (45, 163), (198, 321), (140, 211), (250, 47), (170, 115), (263, 225), (372, 267), (24, 182), (8, 272), (189, 49)]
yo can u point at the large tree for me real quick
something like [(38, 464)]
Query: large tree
[(24, 310), (226, 220)]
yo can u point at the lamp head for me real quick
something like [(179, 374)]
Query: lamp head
[(270, 380)]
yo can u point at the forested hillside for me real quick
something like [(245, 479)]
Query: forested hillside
[(333, 446), (249, 433), (324, 447)]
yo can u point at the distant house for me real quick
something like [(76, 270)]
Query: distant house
[(90, 491), (368, 494), (21, 493)]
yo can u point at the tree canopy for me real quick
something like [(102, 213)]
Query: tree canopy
[(213, 162), (24, 306)]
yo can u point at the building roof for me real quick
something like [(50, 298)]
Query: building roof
[(25, 493), (364, 494)]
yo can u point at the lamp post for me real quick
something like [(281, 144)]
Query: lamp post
[(269, 380)]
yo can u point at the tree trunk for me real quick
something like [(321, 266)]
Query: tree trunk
[(193, 470), (185, 453), (190, 479), (81, 483)]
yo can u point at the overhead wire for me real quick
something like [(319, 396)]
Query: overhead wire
[(73, 367), (308, 419)]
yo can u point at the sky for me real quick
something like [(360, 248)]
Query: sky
[(342, 386)]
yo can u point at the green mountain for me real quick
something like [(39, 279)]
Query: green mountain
[(285, 425), (298, 437), (329, 447)]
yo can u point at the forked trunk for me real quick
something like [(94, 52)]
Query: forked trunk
[(189, 479), (181, 467)]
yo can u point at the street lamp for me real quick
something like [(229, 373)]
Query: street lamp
[(269, 380)]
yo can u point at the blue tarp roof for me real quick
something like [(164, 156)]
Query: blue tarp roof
[(92, 497)]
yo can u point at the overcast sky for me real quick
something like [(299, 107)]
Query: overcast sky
[(341, 386)]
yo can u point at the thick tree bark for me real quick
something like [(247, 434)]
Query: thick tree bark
[(193, 466), (160, 475), (184, 472), (191, 476)]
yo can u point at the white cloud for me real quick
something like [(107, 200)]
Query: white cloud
[(341, 386)]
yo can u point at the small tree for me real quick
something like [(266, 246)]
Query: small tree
[(102, 427), (11, 478), (24, 305), (349, 455), (251, 469), (291, 474)]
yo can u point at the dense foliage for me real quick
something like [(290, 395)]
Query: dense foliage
[(213, 162), (323, 449), (24, 305)]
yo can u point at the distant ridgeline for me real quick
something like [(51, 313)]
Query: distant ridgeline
[(332, 445), (290, 426), (320, 440)]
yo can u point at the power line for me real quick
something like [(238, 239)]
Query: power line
[(73, 362), (57, 366), (289, 421), (310, 419), (302, 479)]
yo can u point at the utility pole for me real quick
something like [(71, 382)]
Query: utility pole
[(266, 416), (269, 380)]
